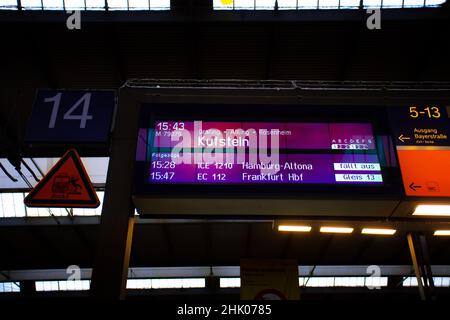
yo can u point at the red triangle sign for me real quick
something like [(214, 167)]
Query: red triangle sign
[(66, 185)]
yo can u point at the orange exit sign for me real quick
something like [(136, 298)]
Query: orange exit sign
[(425, 172), (422, 137)]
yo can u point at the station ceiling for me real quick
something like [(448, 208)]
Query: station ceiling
[(39, 52), (47, 246), (411, 46)]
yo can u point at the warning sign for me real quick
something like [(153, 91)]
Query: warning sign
[(66, 185)]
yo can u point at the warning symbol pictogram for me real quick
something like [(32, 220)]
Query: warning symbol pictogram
[(66, 185)]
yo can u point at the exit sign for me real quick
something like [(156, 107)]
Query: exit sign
[(422, 136)]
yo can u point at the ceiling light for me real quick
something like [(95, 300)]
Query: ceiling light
[(432, 210), (336, 230), (294, 228), (378, 231), (442, 233)]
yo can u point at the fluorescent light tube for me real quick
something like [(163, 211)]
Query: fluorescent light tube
[(336, 230), (294, 228), (442, 233), (378, 231), (432, 210)]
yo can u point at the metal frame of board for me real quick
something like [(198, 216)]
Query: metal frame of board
[(110, 269)]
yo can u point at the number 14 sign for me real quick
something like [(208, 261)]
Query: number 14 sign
[(63, 116)]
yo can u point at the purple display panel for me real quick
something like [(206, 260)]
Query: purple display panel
[(196, 152)]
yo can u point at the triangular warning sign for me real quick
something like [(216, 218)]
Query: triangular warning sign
[(66, 185)]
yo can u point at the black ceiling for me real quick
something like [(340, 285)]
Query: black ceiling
[(204, 244), (38, 51)]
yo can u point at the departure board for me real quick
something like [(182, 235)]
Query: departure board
[(207, 152)]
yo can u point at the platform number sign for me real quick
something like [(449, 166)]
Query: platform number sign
[(71, 117), (84, 103)]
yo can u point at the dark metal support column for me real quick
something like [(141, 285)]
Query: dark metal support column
[(27, 288), (110, 271), (427, 266), (415, 261), (213, 284), (422, 267), (191, 5)]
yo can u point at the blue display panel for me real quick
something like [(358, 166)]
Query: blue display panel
[(61, 116)]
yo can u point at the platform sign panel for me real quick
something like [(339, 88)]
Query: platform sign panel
[(63, 116), (66, 185), (269, 280), (256, 153), (422, 135)]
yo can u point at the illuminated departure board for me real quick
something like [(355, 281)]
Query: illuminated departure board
[(206, 152)]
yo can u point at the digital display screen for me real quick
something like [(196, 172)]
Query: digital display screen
[(206, 152)]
